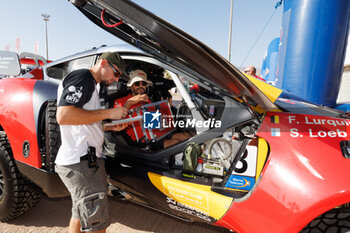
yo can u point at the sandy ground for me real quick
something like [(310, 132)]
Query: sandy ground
[(52, 215)]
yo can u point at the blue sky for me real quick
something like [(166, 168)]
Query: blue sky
[(70, 32)]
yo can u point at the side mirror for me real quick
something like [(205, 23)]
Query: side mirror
[(9, 63)]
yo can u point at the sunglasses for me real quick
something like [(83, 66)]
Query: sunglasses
[(247, 71), (117, 73), (139, 82)]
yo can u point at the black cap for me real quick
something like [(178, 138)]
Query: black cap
[(115, 59)]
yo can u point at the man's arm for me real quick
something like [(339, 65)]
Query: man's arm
[(136, 99), (71, 115)]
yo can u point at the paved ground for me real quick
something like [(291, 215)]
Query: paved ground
[(52, 215)]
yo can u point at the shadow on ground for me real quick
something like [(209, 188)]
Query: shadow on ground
[(52, 215)]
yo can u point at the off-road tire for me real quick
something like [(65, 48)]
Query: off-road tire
[(17, 193), (52, 135), (334, 221)]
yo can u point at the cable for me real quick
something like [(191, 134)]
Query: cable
[(279, 3), (109, 25)]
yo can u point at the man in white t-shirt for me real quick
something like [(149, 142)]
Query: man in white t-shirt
[(79, 161)]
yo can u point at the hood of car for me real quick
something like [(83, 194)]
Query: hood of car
[(146, 31)]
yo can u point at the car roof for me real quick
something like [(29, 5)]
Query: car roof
[(123, 48)]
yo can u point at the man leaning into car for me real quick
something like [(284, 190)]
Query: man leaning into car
[(79, 161)]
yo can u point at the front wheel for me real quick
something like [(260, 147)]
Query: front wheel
[(17, 194), (52, 135)]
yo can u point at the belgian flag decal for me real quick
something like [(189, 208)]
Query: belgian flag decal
[(275, 119)]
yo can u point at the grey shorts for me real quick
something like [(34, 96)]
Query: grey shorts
[(88, 189)]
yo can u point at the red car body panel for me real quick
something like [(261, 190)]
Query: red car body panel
[(305, 161), (36, 74), (17, 118)]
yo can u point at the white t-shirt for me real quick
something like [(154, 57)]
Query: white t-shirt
[(79, 89)]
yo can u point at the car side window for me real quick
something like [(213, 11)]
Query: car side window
[(81, 63), (59, 71)]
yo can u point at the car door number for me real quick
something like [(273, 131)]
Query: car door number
[(247, 165)]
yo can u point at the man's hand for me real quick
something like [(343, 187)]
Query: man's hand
[(118, 127), (170, 100), (118, 113), (136, 99), (71, 115)]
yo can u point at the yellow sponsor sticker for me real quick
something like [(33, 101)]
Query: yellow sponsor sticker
[(193, 196), (186, 195)]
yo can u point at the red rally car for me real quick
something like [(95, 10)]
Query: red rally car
[(259, 159)]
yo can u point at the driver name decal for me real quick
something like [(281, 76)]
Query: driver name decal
[(299, 126)]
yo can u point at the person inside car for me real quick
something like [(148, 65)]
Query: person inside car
[(138, 85)]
